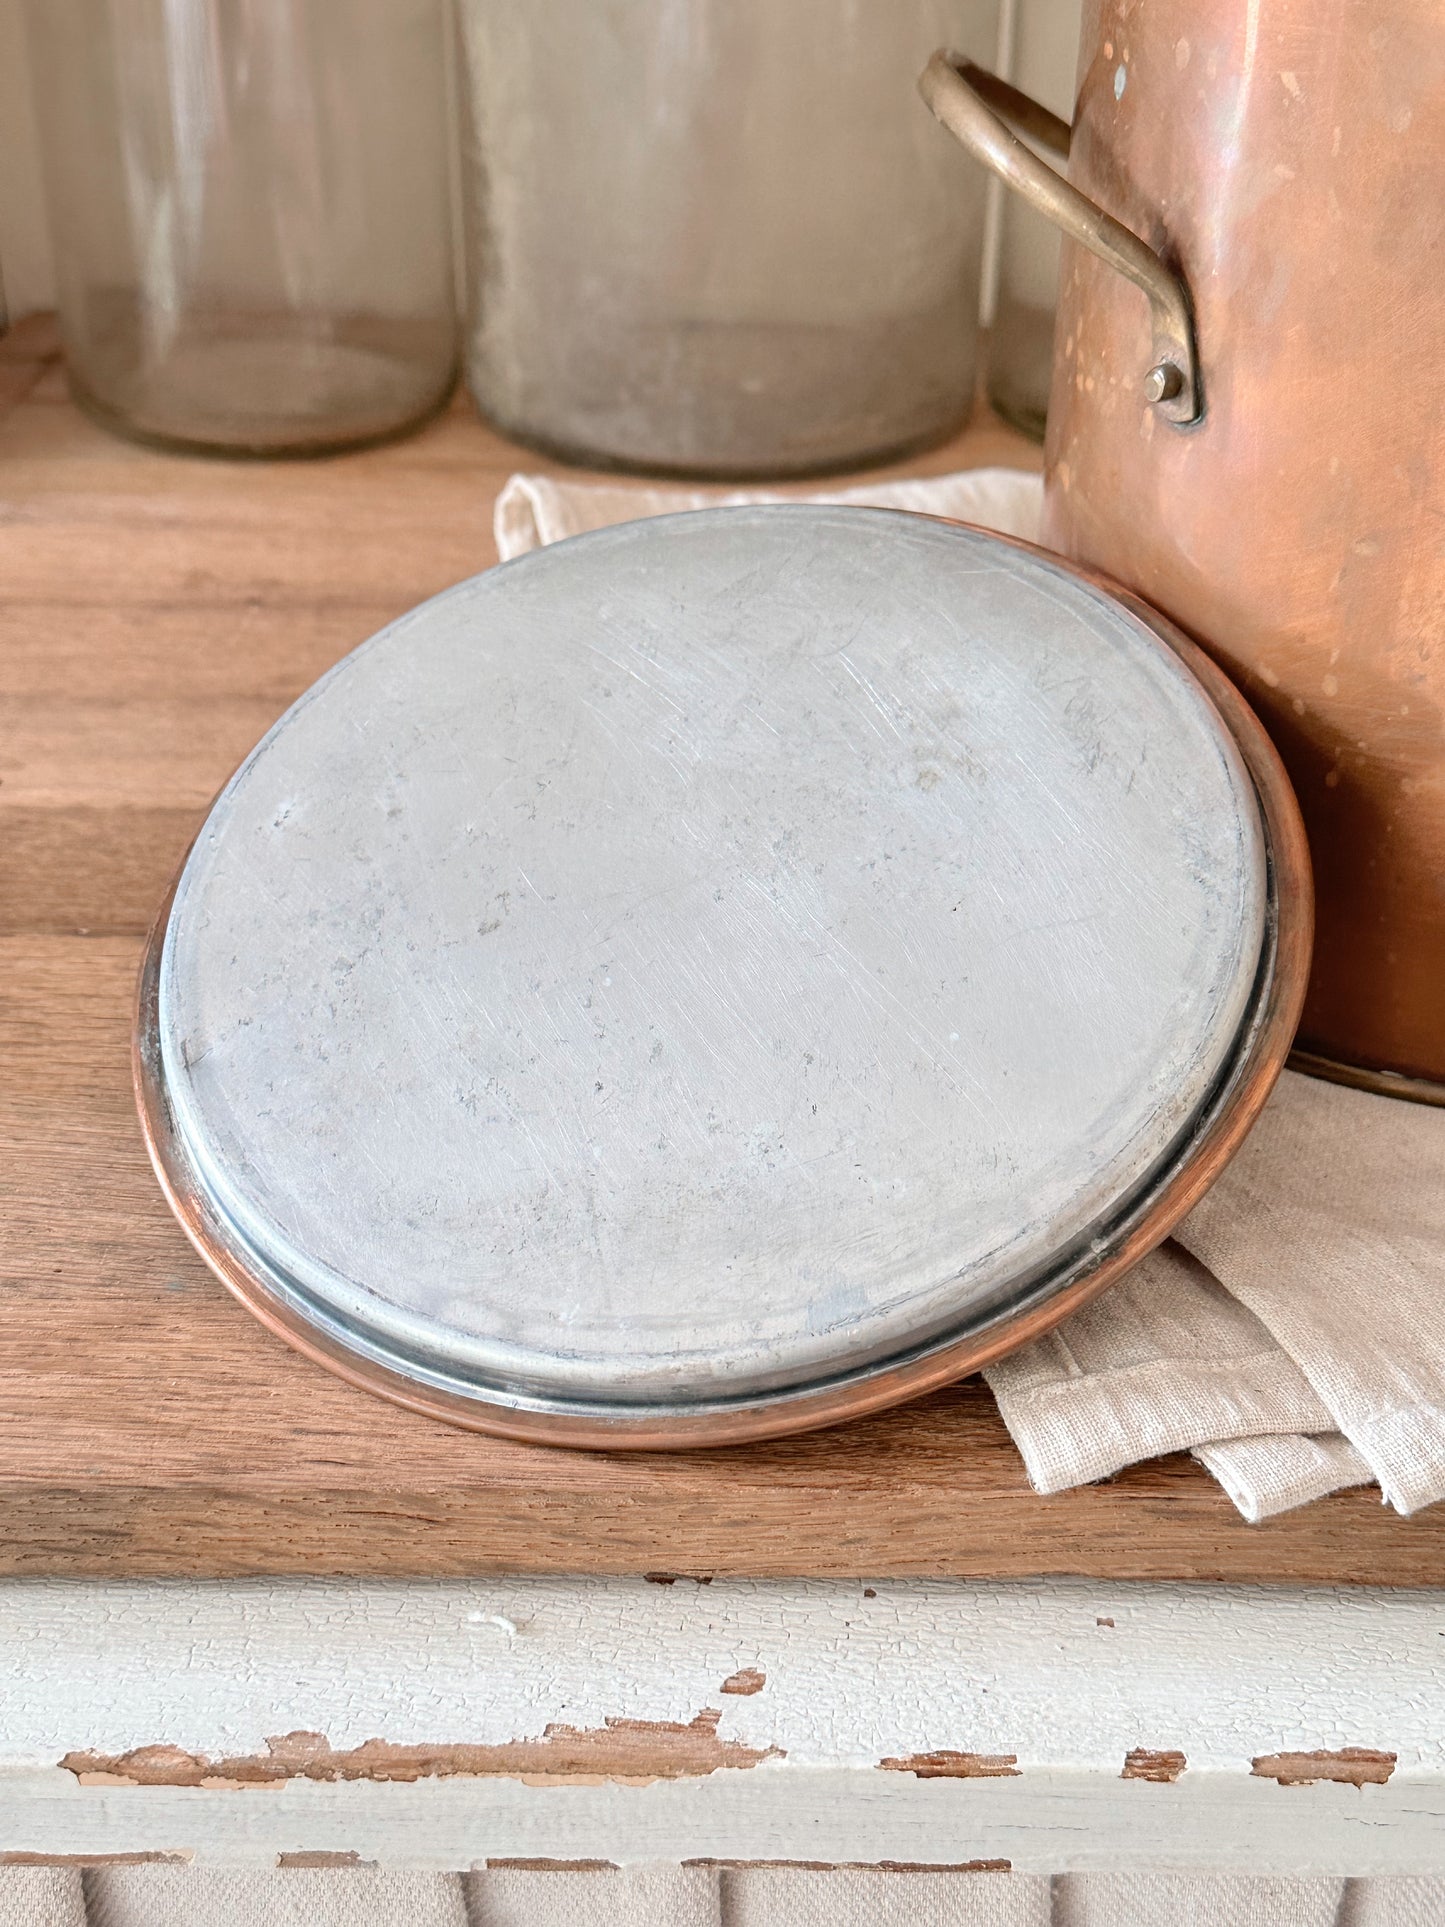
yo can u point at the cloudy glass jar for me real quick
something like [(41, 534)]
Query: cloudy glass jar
[(719, 237), (1044, 55), (249, 204)]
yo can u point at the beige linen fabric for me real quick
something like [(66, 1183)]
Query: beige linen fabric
[(673, 1896), (1268, 1475), (1393, 1900), (41, 1897), (1289, 1334), (1327, 1234), (1194, 1900), (1330, 1225), (874, 1897), (533, 510), (1164, 1362), (293, 1897), (665, 1896), (1169, 1361)]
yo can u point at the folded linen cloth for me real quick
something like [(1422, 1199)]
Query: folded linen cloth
[(1290, 1333), (533, 510)]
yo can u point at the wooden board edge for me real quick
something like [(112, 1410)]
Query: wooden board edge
[(202, 1532)]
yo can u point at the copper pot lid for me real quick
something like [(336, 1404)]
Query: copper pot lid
[(720, 974)]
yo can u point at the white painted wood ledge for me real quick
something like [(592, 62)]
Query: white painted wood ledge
[(1056, 1726)]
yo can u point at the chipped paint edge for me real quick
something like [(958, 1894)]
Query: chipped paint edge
[(1038, 1821), (1057, 1726), (622, 1752)]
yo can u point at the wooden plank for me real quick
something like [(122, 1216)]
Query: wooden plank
[(156, 613), (1079, 1725)]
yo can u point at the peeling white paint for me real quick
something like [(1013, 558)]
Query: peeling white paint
[(1221, 1674)]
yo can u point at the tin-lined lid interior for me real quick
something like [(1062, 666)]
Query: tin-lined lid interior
[(712, 955)]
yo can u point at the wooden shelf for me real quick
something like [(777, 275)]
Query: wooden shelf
[(156, 614)]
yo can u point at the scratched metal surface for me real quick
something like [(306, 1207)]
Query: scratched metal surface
[(712, 954)]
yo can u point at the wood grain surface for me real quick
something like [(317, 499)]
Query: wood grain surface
[(156, 614)]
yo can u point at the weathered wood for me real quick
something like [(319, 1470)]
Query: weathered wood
[(1078, 1725), (156, 613)]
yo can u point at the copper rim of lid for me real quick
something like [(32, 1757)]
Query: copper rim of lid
[(1261, 1048)]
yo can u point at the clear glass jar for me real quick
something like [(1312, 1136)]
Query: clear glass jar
[(1045, 54), (719, 237), (250, 209)]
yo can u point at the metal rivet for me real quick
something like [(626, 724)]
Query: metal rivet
[(1164, 382)]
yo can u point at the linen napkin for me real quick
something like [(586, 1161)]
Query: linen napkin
[(1290, 1334), (533, 510)]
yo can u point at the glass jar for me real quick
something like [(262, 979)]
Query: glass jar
[(1045, 53), (719, 237), (250, 208)]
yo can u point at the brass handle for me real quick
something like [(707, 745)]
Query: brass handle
[(970, 102)]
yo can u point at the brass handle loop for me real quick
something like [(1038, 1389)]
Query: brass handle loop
[(974, 106)]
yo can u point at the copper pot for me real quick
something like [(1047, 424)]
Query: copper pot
[(1259, 449)]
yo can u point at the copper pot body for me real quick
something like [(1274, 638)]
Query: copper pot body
[(1287, 159)]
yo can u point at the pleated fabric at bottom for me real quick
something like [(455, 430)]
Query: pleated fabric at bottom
[(701, 1896), (41, 1897), (291, 1897)]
